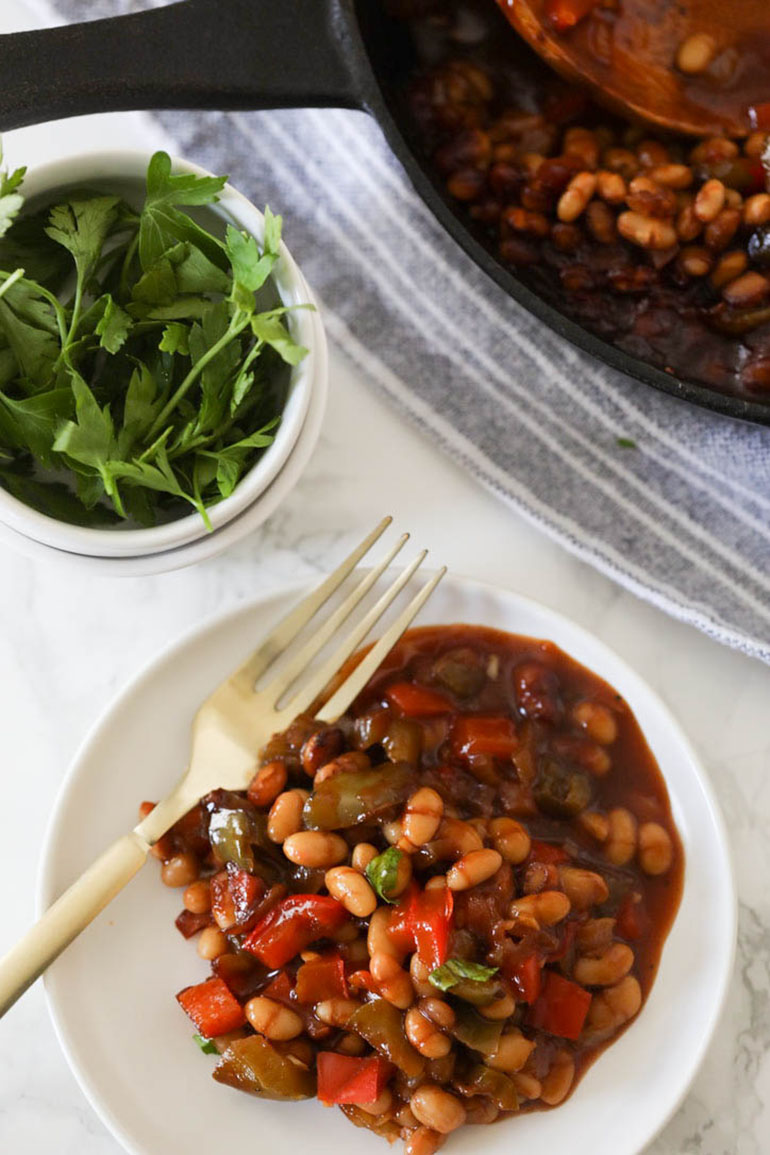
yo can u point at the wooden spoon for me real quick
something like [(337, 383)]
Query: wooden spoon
[(700, 67)]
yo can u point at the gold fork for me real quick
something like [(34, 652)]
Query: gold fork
[(227, 731)]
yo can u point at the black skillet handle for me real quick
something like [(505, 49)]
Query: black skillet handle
[(225, 54)]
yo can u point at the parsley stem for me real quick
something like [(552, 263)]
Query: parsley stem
[(130, 252), (76, 307), (11, 279), (236, 326), (204, 439), (198, 444)]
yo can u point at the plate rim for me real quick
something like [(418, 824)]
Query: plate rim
[(45, 890)]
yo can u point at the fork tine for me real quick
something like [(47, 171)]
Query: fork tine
[(355, 681), (289, 626), (321, 677), (315, 644)]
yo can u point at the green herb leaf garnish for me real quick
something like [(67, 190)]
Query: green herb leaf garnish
[(382, 872), (11, 199), (144, 361), (206, 1045), (454, 970)]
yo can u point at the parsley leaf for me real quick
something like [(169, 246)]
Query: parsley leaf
[(54, 499), (175, 339), (183, 309), (10, 205), (232, 459), (273, 332), (162, 225), (31, 422), (205, 1045), (29, 325), (139, 408), (626, 443), (114, 326), (157, 286), (160, 477), (26, 244), (273, 230), (250, 267), (382, 872), (11, 199), (195, 273), (90, 439), (210, 333), (81, 227), (241, 388), (454, 970)]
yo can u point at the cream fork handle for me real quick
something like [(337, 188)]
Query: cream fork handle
[(69, 915)]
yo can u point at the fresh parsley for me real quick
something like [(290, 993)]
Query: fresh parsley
[(382, 872), (144, 361), (206, 1045), (455, 970), (626, 443), (11, 199)]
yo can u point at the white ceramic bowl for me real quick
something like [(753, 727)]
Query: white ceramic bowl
[(124, 172), (112, 993), (209, 544)]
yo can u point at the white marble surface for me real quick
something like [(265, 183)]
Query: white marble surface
[(67, 644)]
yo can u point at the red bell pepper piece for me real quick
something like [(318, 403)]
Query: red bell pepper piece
[(417, 701), (561, 1008), (494, 736), (292, 925), (424, 919), (245, 890), (526, 977), (431, 921), (568, 931), (565, 14), (280, 988), (345, 1079), (213, 1009), (632, 919), (546, 853), (321, 979), (363, 981)]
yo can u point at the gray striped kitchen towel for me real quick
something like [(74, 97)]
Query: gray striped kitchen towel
[(683, 519)]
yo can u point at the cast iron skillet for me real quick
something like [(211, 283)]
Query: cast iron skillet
[(249, 54)]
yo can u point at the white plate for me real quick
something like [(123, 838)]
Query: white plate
[(112, 994)]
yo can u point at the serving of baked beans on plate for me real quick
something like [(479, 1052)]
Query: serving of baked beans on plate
[(439, 910), (473, 900)]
